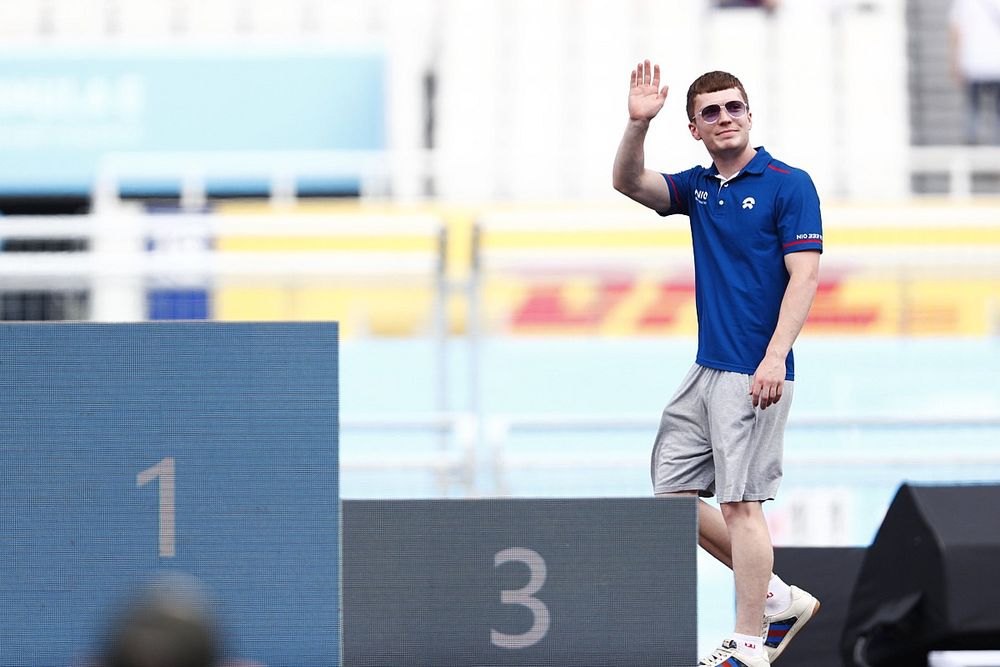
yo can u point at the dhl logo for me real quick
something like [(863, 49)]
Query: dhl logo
[(842, 306), (864, 298), (548, 306), (623, 306)]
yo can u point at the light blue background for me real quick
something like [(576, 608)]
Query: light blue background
[(61, 109), (835, 378)]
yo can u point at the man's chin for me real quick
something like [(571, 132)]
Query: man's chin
[(734, 147)]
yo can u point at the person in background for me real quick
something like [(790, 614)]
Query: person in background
[(975, 65), (167, 624)]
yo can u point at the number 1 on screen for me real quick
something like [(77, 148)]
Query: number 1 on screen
[(164, 471)]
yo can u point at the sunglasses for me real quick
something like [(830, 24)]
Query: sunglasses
[(712, 113)]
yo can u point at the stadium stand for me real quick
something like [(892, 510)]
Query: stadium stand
[(476, 241)]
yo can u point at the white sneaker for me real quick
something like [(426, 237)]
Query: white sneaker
[(729, 655), (779, 629)]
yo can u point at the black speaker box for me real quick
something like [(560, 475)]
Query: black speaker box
[(929, 580), (829, 574)]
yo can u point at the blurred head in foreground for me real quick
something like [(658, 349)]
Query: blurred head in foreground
[(168, 624)]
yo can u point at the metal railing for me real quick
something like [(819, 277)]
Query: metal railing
[(960, 163), (191, 172), (500, 429), (450, 458), (459, 447)]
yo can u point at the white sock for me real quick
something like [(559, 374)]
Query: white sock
[(779, 596), (748, 644)]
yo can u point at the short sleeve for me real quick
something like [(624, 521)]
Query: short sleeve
[(799, 224), (680, 186)]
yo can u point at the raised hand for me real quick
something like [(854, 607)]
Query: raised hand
[(645, 98)]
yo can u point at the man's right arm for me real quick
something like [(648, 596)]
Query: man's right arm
[(630, 176)]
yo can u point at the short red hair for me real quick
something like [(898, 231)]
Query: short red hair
[(713, 82)]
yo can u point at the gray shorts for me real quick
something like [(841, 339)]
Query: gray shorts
[(713, 441)]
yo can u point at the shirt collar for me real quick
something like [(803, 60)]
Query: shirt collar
[(756, 165)]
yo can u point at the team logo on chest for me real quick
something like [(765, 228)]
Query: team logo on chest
[(701, 196), (749, 203)]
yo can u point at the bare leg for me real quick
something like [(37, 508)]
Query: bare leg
[(713, 534), (752, 558)]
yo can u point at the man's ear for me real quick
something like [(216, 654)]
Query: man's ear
[(694, 131)]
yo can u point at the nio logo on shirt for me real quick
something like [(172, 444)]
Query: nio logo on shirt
[(701, 196), (749, 202)]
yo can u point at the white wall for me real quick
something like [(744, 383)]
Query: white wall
[(532, 93), (532, 99)]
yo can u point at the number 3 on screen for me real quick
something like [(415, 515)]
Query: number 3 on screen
[(164, 470), (525, 597)]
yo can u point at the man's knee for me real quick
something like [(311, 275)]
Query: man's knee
[(749, 510)]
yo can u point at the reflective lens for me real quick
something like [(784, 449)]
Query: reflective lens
[(711, 113)]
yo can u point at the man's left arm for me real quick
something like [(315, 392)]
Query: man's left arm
[(803, 278)]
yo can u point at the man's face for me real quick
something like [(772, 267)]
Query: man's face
[(727, 134)]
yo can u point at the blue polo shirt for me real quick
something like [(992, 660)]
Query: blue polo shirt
[(741, 230)]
